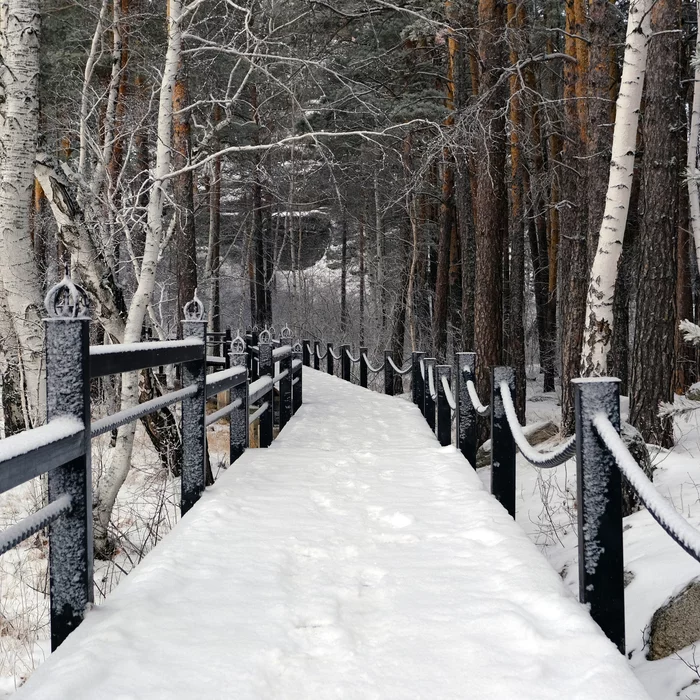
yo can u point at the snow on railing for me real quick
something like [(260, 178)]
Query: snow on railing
[(375, 370), (673, 523), (543, 460)]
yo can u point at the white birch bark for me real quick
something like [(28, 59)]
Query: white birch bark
[(693, 173), (87, 79), (601, 290), (19, 51), (112, 480)]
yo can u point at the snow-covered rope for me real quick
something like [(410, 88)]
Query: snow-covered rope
[(321, 357), (422, 370), (396, 369), (431, 382), (222, 412), (309, 349), (258, 413), (33, 523), (544, 460), (675, 525), (474, 398), (369, 366), (350, 357), (448, 392), (109, 423), (333, 355)]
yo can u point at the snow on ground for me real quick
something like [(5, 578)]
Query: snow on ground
[(355, 558), (546, 510)]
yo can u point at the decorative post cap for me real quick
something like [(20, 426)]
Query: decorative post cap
[(264, 336), (297, 347), (194, 309), (286, 332), (272, 331), (238, 344), (66, 299)]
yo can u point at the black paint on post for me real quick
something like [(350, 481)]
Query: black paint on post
[(388, 374), (429, 411), (227, 348), (194, 445), (363, 367), (444, 413), (297, 384), (502, 443), (345, 363), (466, 414), (286, 391), (70, 536), (267, 418), (417, 383), (317, 352), (238, 428), (329, 358), (599, 498), (306, 355), (253, 368)]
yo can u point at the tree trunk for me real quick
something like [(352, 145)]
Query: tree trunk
[(19, 124), (601, 289), (111, 482), (653, 354), (344, 274), (183, 194), (491, 218)]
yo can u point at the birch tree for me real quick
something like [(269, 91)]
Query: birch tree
[(112, 481), (601, 288), (20, 24), (692, 172)]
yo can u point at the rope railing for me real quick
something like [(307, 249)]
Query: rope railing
[(476, 403), (672, 522), (352, 359), (396, 369), (543, 460), (333, 355), (431, 383), (375, 370), (320, 356), (448, 393)]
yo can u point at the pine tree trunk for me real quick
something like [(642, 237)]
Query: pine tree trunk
[(183, 193), (491, 224), (655, 319)]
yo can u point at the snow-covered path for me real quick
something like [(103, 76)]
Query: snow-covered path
[(356, 559)]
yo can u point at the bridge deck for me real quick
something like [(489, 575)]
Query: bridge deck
[(355, 558)]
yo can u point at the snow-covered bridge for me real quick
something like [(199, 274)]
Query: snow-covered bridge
[(355, 558)]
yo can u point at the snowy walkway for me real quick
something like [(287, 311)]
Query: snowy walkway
[(353, 559)]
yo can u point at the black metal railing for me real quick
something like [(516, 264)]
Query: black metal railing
[(61, 448)]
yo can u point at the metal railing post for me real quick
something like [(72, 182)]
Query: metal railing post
[(345, 363), (266, 369), (194, 436), (329, 358), (306, 355), (444, 413), (254, 365), (502, 442), (226, 349), (417, 383), (70, 537), (317, 352), (388, 374), (429, 409), (599, 500), (286, 409), (297, 388), (466, 414), (363, 367), (239, 432)]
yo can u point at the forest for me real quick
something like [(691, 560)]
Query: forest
[(517, 178)]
